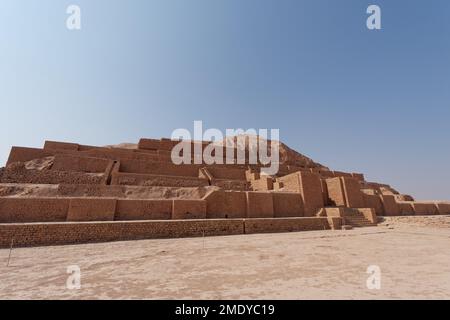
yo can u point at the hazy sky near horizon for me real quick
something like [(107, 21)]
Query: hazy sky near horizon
[(355, 100)]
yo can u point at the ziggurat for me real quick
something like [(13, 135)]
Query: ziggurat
[(66, 193)]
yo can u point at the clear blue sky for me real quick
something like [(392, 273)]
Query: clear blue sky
[(355, 100)]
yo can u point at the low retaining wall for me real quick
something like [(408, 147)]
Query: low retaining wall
[(285, 225), (33, 210), (50, 234)]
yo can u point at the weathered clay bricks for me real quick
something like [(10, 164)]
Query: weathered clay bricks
[(425, 208), (55, 145), (227, 173), (342, 174), (143, 210), (353, 195), (168, 144), (226, 204), (390, 206), (443, 208), (259, 205), (285, 225), (149, 144), (373, 201), (358, 176), (405, 208), (369, 214), (159, 168), (287, 205), (311, 191), (91, 209), (134, 179), (403, 197), (262, 184), (38, 234), (189, 209), (13, 210), (323, 183), (26, 154), (345, 191), (80, 164), (336, 193)]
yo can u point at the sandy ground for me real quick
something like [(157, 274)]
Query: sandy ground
[(414, 263)]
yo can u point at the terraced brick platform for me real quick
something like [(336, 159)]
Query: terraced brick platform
[(66, 193)]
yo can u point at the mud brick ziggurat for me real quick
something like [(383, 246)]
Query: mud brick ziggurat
[(66, 193)]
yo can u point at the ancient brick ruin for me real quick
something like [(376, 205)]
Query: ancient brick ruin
[(68, 193)]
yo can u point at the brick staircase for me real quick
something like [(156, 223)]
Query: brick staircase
[(355, 218)]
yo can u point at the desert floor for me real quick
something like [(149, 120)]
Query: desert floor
[(413, 255)]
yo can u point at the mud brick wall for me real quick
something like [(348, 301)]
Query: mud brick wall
[(91, 209), (334, 212), (425, 208), (326, 174), (287, 205), (143, 210), (353, 195), (80, 164), (369, 214), (227, 173), (324, 192), (56, 145), (20, 154), (120, 155), (237, 185), (41, 234), (443, 208), (345, 191), (33, 210), (335, 223), (358, 176), (262, 184), (92, 190), (285, 225), (390, 206), (342, 174), (403, 197), (133, 179), (311, 191), (159, 168), (405, 208), (373, 201), (19, 174), (222, 204), (189, 209), (259, 205), (290, 182), (336, 194), (167, 144), (149, 144)]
